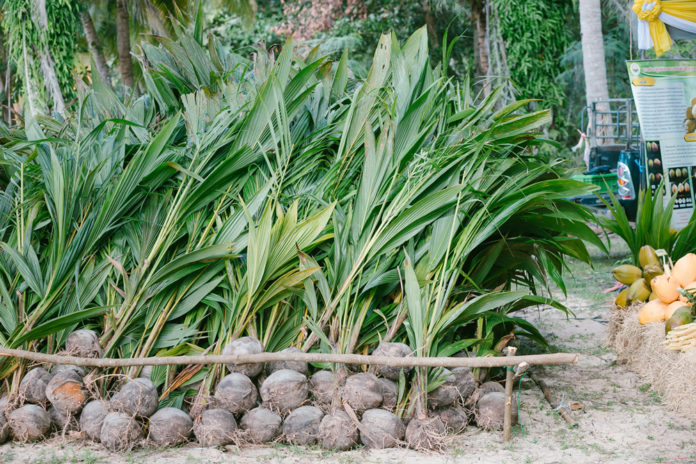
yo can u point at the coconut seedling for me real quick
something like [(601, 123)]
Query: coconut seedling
[(236, 393), (454, 419), (390, 394), (284, 390), (120, 432), (29, 423), (241, 346), (325, 387), (490, 411), (137, 397), (381, 429), (66, 392), (32, 388), (338, 432), (170, 427), (215, 427), (92, 419), (362, 391), (301, 427), (261, 425), (62, 421), (394, 350), (298, 366), (83, 343)]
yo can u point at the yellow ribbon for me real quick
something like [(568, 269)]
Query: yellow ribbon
[(662, 42)]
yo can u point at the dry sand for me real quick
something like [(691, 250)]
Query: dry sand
[(622, 421)]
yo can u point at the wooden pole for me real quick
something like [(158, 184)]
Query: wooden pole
[(507, 420), (554, 358), (547, 394)]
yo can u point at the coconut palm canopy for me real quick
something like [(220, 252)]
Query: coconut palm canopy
[(284, 199)]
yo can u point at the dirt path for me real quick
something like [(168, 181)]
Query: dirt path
[(622, 421)]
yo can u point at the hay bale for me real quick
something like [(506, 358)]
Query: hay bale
[(138, 397), (84, 343), (337, 432), (390, 393), (465, 381), (32, 388), (236, 393), (284, 390), (120, 432), (325, 386), (301, 427), (446, 394), (92, 419), (362, 391), (170, 427), (490, 411), (66, 392), (425, 434), (455, 419), (381, 429), (29, 423), (215, 427), (244, 345), (299, 366), (396, 350), (261, 425)]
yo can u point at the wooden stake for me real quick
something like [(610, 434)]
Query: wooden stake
[(507, 420), (554, 358), (547, 394)]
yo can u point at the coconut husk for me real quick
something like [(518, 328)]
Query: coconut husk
[(92, 419), (299, 366), (301, 427), (66, 392), (445, 394), (465, 381), (29, 423), (137, 397), (490, 411), (455, 419), (84, 343), (362, 391), (284, 390), (261, 425), (244, 345), (58, 368), (170, 427), (392, 349), (425, 434), (32, 388), (337, 432), (120, 432), (491, 387), (671, 373), (236, 393), (325, 386), (63, 422), (215, 427), (381, 429), (390, 393)]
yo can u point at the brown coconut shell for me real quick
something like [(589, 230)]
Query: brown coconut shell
[(138, 397), (284, 390), (29, 423), (324, 386), (120, 432), (337, 432), (301, 427), (446, 394), (92, 418), (455, 418), (396, 350), (66, 392), (244, 345), (299, 366), (490, 411), (236, 393), (261, 425), (425, 434), (362, 391), (84, 343), (381, 429), (170, 427), (32, 388), (390, 393), (215, 427)]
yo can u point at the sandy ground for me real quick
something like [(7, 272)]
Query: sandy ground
[(621, 420)]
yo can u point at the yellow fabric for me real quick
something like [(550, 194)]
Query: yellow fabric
[(682, 9)]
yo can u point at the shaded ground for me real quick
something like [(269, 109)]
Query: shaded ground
[(622, 421)]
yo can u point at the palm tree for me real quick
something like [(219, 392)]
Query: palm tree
[(125, 65), (93, 44), (593, 52)]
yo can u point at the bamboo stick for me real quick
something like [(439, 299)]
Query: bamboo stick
[(554, 358), (507, 419)]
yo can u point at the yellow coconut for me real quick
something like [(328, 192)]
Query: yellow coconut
[(684, 271), (638, 291), (665, 288), (672, 307), (648, 257), (621, 301), (652, 311), (691, 288)]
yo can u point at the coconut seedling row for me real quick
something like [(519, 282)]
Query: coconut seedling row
[(279, 204)]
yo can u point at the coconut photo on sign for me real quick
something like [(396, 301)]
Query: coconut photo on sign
[(665, 97)]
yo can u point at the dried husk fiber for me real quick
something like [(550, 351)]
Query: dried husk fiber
[(170, 427), (671, 373), (425, 434), (261, 425)]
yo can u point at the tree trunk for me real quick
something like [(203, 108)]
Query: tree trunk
[(431, 25), (47, 65), (93, 43), (125, 64), (478, 16), (593, 60)]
